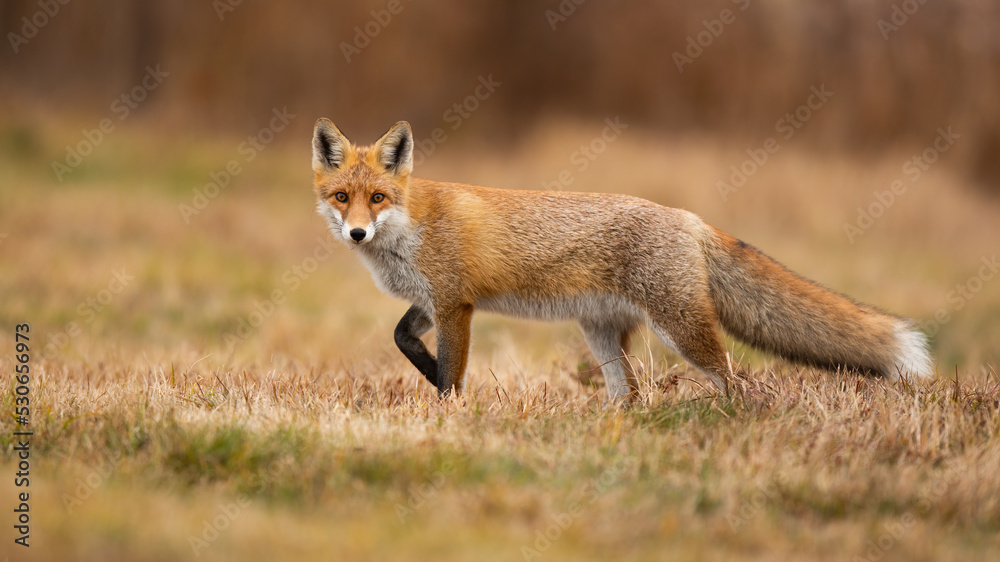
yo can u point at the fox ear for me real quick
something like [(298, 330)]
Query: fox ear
[(395, 149), (329, 146)]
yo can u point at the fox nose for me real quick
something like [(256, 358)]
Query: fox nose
[(358, 234)]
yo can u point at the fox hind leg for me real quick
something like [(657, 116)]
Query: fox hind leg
[(610, 344), (692, 331)]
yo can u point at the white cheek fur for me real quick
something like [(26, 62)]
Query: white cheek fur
[(392, 218), (331, 215), (333, 219), (388, 221)]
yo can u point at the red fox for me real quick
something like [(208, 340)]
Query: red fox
[(610, 262)]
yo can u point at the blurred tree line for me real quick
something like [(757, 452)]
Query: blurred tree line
[(898, 69)]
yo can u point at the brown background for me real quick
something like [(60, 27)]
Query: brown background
[(941, 67)]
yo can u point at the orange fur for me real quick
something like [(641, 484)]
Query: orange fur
[(611, 262)]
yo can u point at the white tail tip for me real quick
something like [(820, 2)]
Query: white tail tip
[(912, 359)]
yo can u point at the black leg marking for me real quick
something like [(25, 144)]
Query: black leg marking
[(414, 324)]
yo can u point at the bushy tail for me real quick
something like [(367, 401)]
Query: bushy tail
[(761, 302)]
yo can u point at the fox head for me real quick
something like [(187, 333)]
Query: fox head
[(362, 189)]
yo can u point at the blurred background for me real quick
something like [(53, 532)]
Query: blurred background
[(172, 139)]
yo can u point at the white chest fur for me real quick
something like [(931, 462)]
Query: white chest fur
[(390, 255), (393, 271), (391, 259)]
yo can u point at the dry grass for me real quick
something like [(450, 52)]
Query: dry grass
[(147, 423), (132, 454)]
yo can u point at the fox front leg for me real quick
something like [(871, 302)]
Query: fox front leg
[(453, 339), (412, 325)]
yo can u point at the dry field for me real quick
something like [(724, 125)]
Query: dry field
[(182, 409)]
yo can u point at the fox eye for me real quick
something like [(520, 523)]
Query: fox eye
[(377, 198), (341, 196)]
